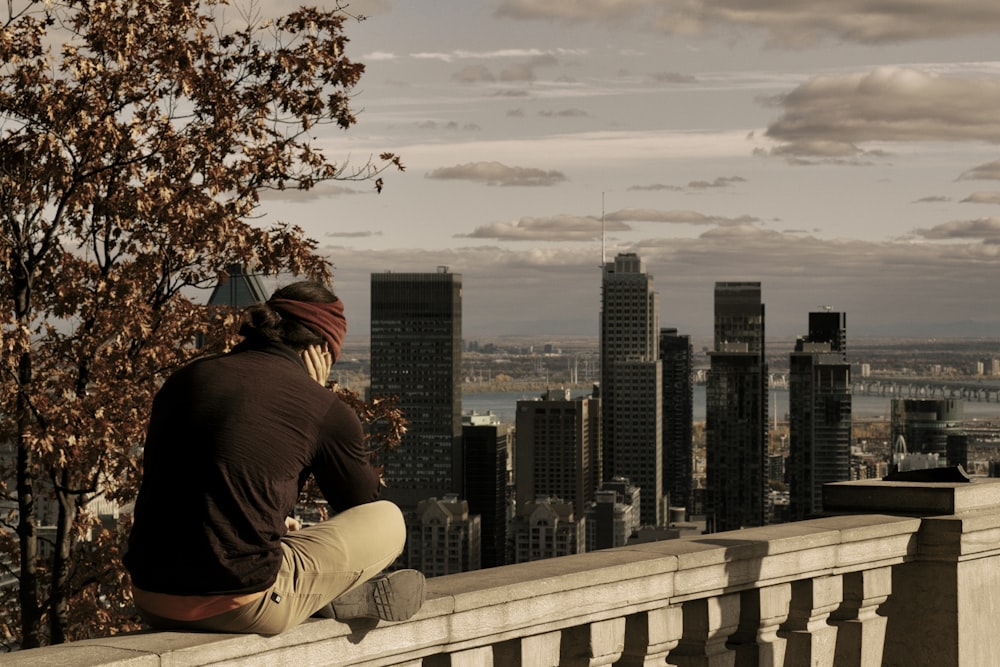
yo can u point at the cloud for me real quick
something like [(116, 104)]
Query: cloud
[(535, 56), (519, 73), (984, 172), (323, 190), (564, 113), (833, 116), (933, 199), (555, 228), (378, 56), (785, 23), (672, 77), (719, 182), (982, 198), (474, 74), (512, 93), (450, 126), (656, 187), (986, 229), (352, 235), (523, 72), (676, 217), (495, 173)]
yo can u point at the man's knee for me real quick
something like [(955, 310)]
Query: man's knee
[(389, 518)]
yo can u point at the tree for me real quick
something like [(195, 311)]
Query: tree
[(135, 138)]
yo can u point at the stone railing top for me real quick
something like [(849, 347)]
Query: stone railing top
[(912, 498), (484, 608)]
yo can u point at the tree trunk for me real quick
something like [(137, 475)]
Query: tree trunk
[(27, 531), (60, 593)]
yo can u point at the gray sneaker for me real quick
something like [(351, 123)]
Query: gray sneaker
[(395, 596)]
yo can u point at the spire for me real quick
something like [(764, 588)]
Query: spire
[(237, 289)]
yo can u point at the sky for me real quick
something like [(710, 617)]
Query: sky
[(844, 153)]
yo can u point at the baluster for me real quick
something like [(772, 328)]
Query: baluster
[(649, 636), (811, 640), (594, 644), (481, 656), (533, 651), (762, 611), (860, 630), (708, 623)]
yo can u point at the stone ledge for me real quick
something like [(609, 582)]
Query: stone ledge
[(469, 611), (911, 498)]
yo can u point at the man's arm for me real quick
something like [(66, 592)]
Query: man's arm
[(342, 467)]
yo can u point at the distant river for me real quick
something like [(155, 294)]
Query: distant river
[(504, 405)]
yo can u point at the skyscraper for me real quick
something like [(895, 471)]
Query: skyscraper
[(558, 451), (678, 412), (631, 382), (238, 288), (926, 423), (736, 411), (416, 355), (819, 385), (485, 445)]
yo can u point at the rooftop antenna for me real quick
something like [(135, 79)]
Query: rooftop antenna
[(604, 235)]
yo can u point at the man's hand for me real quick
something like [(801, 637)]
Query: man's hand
[(318, 362), (291, 523)]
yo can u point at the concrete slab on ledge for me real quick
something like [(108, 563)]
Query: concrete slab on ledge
[(911, 498)]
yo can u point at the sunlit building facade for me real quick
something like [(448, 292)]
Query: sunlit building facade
[(632, 382)]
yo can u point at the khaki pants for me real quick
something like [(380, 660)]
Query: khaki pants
[(320, 563)]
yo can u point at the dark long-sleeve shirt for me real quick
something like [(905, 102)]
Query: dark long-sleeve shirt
[(230, 442)]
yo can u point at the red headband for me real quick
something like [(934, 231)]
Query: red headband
[(326, 319)]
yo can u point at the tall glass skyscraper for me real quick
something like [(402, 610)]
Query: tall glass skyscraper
[(736, 428), (819, 388), (416, 355), (631, 382), (925, 424), (678, 413)]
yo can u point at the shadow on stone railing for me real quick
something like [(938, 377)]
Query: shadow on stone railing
[(917, 584)]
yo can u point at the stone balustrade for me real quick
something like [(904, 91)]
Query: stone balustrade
[(896, 574)]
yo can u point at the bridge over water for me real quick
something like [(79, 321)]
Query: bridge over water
[(965, 390)]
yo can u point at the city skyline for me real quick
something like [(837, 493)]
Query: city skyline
[(838, 163)]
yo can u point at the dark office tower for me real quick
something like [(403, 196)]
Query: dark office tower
[(676, 356), (958, 450), (416, 354), (829, 327), (632, 381), (736, 411), (485, 443), (819, 385), (558, 452), (926, 423)]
